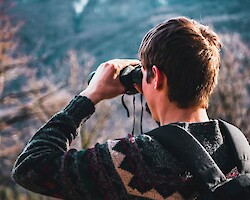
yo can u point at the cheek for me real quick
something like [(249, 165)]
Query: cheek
[(144, 82), (143, 87)]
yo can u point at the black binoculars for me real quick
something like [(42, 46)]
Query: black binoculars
[(128, 77)]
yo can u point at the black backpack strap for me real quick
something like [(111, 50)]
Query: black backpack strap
[(213, 183), (188, 149), (238, 145)]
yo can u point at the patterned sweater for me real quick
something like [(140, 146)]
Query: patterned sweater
[(127, 168)]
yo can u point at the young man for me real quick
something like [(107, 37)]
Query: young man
[(180, 62)]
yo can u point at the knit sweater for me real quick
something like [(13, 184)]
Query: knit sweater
[(127, 168)]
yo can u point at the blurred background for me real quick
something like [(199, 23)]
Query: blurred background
[(48, 48)]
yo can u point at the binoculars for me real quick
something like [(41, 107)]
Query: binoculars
[(128, 77)]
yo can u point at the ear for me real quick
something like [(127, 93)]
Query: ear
[(158, 77)]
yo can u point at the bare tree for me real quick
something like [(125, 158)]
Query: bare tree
[(33, 102), (230, 100)]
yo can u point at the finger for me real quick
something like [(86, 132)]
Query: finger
[(125, 62), (138, 88), (131, 62)]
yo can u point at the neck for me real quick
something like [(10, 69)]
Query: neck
[(165, 111), (173, 114)]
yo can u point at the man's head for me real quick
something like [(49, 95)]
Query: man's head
[(188, 53)]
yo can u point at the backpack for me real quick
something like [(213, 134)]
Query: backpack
[(213, 183)]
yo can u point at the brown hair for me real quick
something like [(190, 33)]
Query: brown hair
[(189, 54)]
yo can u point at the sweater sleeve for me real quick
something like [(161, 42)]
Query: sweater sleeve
[(126, 168), (45, 165)]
